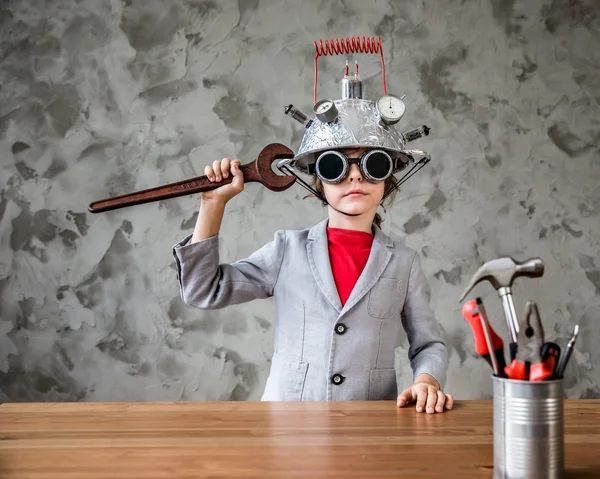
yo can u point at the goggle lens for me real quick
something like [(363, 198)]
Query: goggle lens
[(378, 165), (330, 167)]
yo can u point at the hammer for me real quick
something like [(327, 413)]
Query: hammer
[(501, 273)]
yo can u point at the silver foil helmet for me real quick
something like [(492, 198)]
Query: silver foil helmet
[(354, 122)]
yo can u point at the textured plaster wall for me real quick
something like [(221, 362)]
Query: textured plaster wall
[(100, 98)]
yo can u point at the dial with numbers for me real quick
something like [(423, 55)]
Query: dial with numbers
[(390, 108)]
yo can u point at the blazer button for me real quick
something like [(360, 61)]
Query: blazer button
[(337, 379), (340, 328)]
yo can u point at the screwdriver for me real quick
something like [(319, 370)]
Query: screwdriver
[(562, 364), (474, 312)]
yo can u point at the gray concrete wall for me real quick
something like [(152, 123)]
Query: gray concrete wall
[(100, 98)]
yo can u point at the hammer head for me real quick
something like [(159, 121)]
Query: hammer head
[(502, 272)]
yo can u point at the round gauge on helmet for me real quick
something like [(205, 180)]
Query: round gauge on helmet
[(325, 110), (390, 108)]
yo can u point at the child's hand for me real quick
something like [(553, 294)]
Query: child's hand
[(426, 392), (219, 170)]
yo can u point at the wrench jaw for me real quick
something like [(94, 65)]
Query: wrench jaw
[(270, 179)]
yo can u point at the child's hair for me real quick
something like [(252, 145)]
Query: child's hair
[(389, 184)]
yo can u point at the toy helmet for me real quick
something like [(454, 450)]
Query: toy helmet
[(353, 121)]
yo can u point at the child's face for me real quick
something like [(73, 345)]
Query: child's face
[(354, 195)]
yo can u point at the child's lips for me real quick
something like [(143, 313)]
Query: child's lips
[(355, 193)]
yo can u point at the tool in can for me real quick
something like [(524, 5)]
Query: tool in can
[(560, 369), (488, 344), (528, 363)]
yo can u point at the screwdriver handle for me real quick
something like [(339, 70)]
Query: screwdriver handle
[(471, 314), (500, 361), (513, 348), (474, 313)]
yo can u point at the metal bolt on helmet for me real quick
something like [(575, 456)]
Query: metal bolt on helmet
[(352, 121)]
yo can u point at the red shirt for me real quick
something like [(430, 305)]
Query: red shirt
[(348, 252)]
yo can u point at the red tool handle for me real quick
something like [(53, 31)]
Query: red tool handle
[(538, 371), (516, 370), (550, 354), (472, 316), (487, 343), (541, 371)]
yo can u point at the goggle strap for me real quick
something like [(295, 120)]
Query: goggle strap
[(414, 170), (312, 190), (304, 184)]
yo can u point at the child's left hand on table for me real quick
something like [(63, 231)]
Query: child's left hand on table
[(426, 393)]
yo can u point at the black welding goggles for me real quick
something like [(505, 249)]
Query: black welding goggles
[(375, 165)]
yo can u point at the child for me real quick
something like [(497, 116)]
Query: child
[(342, 288)]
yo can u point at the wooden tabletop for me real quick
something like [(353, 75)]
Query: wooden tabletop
[(371, 439)]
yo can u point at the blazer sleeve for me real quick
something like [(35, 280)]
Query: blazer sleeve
[(427, 352), (205, 283)]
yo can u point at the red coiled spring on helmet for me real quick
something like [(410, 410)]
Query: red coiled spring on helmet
[(338, 46)]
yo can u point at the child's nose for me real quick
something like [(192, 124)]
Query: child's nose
[(354, 174)]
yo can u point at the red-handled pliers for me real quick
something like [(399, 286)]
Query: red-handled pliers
[(528, 363)]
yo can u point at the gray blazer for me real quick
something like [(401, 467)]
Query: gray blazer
[(324, 351)]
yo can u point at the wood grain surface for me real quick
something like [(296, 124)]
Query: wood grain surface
[(371, 439)]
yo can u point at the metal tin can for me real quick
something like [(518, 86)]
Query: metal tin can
[(528, 429)]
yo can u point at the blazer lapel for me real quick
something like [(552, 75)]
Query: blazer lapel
[(318, 257), (378, 259)]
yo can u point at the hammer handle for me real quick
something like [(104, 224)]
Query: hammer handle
[(509, 313)]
